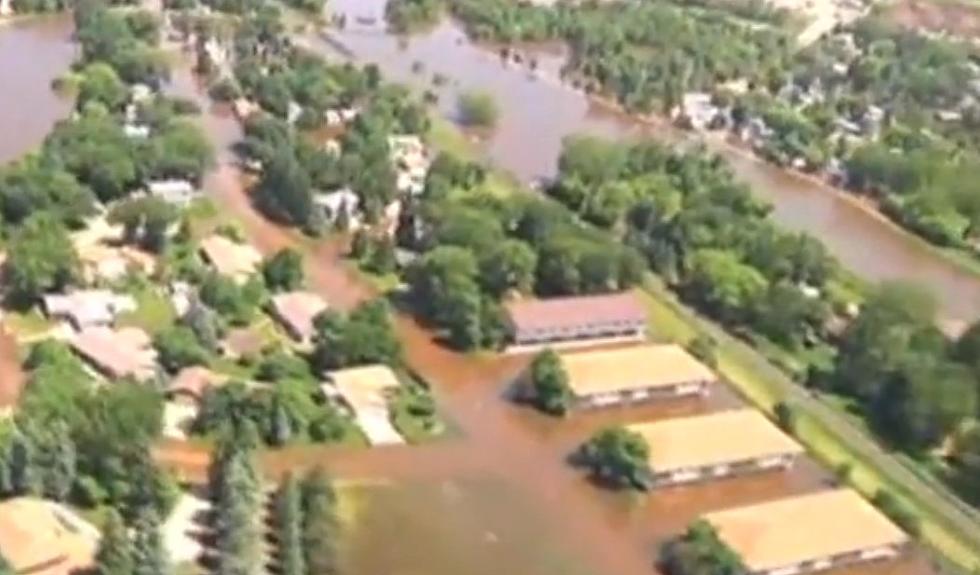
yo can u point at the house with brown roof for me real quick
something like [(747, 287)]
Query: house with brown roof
[(808, 533), (716, 445), (229, 258), (117, 353), (295, 311), (191, 383), (39, 537), (364, 391), (576, 319), (635, 374)]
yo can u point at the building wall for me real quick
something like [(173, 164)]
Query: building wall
[(637, 396), (732, 469), (817, 565), (582, 332)]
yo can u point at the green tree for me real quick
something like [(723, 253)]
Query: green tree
[(367, 335), (726, 286), (549, 383), (289, 527), (700, 552), (284, 270), (100, 84), (178, 348), (40, 258), (320, 526), (508, 265), (182, 151), (898, 511), (283, 193), (478, 109), (149, 554), (116, 553), (619, 456), (146, 221)]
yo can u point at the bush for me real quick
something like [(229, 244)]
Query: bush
[(898, 512), (478, 109)]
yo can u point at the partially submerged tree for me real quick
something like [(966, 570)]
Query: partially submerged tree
[(549, 383), (618, 456), (700, 552)]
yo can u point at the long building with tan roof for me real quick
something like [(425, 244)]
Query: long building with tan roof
[(576, 319), (606, 377), (716, 445), (808, 533)]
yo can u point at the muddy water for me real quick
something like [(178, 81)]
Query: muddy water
[(32, 54), (536, 113)]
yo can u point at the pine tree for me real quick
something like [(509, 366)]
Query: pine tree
[(148, 551), (23, 474), (115, 556), (289, 519), (57, 461), (235, 489), (320, 527)]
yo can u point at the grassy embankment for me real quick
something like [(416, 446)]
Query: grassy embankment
[(765, 386)]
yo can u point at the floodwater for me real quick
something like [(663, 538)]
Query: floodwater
[(501, 498), (33, 53), (537, 112)]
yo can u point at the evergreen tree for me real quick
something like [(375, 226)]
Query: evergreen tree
[(289, 525), (320, 527), (115, 555), (149, 554), (57, 459), (23, 474)]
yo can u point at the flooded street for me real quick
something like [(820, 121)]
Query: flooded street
[(32, 54), (537, 112)]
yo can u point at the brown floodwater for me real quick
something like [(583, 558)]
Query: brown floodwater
[(537, 112), (501, 497), (33, 53)]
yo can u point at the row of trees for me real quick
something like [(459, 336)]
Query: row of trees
[(306, 525), (706, 235), (132, 549)]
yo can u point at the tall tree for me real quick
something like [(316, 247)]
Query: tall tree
[(619, 456), (284, 270), (40, 258), (289, 528), (320, 526), (549, 383), (149, 553), (283, 193), (115, 555)]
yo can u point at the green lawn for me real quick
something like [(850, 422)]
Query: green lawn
[(153, 310)]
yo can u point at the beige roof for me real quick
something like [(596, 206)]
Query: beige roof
[(229, 258), (43, 538), (364, 387), (809, 527), (297, 310), (713, 439), (629, 368), (195, 380), (117, 353)]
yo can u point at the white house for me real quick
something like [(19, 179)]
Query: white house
[(87, 308), (332, 204), (177, 192)]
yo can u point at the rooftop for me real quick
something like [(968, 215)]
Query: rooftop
[(194, 381), (713, 439), (117, 353), (364, 387), (781, 533), (630, 368), (229, 258), (42, 538), (297, 310), (570, 312), (88, 307)]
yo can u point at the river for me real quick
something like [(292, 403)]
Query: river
[(536, 113), (32, 54)]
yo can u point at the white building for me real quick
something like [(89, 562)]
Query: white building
[(176, 192), (87, 308), (334, 203)]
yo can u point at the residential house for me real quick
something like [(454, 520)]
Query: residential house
[(295, 311), (364, 392), (334, 203), (723, 444), (117, 353), (190, 385), (808, 533), (177, 192), (230, 259), (87, 308)]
